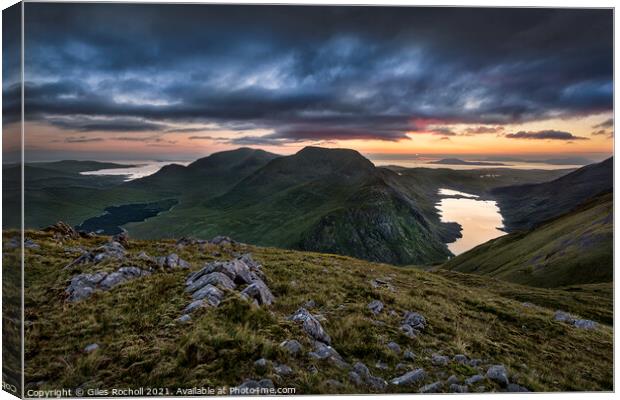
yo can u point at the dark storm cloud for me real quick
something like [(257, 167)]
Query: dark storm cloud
[(311, 73), (605, 124), (483, 129), (83, 139), (545, 135)]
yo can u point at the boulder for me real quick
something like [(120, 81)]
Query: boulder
[(409, 355), (394, 347), (222, 241), (283, 370), (498, 373), (310, 325), (261, 364), (63, 229), (514, 388), (214, 278), (453, 379), (355, 378), (472, 380), (434, 387), (409, 378), (437, 359), (325, 352), (460, 358), (562, 316), (258, 291), (292, 346), (375, 306), (209, 293), (193, 306), (455, 388), (122, 237), (185, 318), (91, 347), (414, 320), (584, 324)]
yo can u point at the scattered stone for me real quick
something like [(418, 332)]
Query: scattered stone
[(193, 306), (401, 366), (481, 389), (361, 369), (562, 316), (214, 278), (375, 306), (394, 347), (222, 241), (381, 365), (189, 241), (185, 318), (585, 324), (474, 362), (380, 283), (172, 261), (310, 325), (409, 378), (439, 360), (452, 380), (498, 374), (258, 291), (91, 347), (454, 388), (292, 346), (122, 237), (63, 229), (84, 285), (210, 294), (310, 304), (30, 244), (261, 363), (513, 387), (374, 382), (333, 384), (325, 352), (409, 355), (355, 378), (252, 387), (474, 379), (409, 331), (460, 358), (283, 370), (414, 320), (431, 387)]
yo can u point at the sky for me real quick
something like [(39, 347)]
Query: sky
[(139, 81)]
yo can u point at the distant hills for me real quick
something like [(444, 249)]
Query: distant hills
[(574, 248), (525, 206)]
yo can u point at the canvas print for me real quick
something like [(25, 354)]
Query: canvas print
[(271, 199)]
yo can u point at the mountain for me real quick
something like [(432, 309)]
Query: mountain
[(130, 335), (574, 248), (330, 200), (457, 161), (525, 206)]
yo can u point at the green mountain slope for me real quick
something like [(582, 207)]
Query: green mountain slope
[(575, 248), (525, 206), (141, 343)]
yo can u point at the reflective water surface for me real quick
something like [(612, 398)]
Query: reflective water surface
[(480, 220)]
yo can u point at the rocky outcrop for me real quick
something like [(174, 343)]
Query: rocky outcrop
[(310, 325), (109, 251), (412, 324), (409, 378), (84, 285), (63, 230), (375, 306), (563, 316)]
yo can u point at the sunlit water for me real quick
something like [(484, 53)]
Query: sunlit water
[(141, 169), (480, 220), (427, 163)]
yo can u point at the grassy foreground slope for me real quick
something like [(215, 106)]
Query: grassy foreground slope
[(141, 343), (575, 248)]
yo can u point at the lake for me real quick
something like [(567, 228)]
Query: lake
[(139, 169), (480, 220)]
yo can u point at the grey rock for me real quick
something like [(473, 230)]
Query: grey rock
[(113, 279), (333, 384), (261, 363), (325, 352), (437, 359), (381, 365), (409, 331), (185, 318), (214, 278), (460, 358), (30, 244), (585, 324), (375, 306), (259, 291), (283, 370), (266, 384), (414, 320), (210, 294), (431, 387), (402, 366), (193, 306), (409, 355), (381, 283), (498, 373), (562, 316), (454, 388), (221, 240), (355, 378), (361, 369), (311, 325), (394, 347), (409, 378), (472, 380), (481, 389), (91, 347), (474, 362), (514, 388), (292, 346), (452, 380), (376, 383), (310, 304)]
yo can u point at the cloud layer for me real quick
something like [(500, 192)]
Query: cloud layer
[(311, 73)]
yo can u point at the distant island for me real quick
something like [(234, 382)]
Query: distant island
[(457, 161)]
